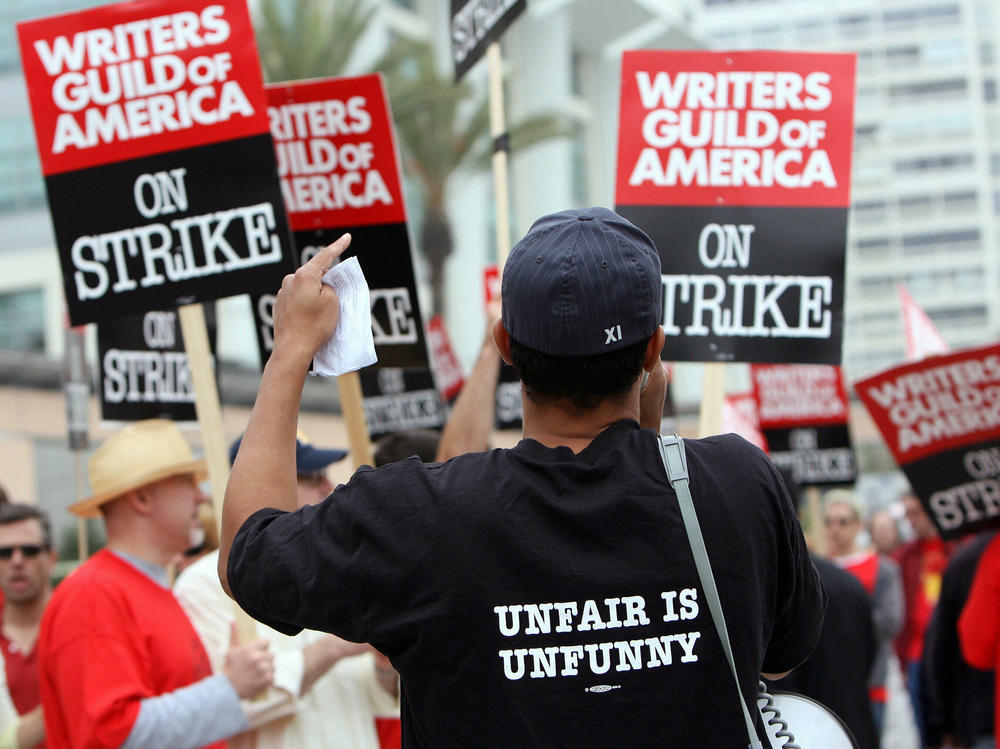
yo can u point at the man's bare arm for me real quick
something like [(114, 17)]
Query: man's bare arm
[(306, 312), (471, 420), (322, 655)]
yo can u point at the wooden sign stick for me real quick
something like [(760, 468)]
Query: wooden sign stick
[(354, 417), (712, 394), (82, 551), (206, 402), (499, 133), (192, 319)]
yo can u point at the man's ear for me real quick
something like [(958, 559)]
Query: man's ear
[(654, 347), (139, 500), (502, 340)]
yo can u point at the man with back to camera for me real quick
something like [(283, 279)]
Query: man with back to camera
[(544, 595)]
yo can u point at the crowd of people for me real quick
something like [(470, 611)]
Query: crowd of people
[(544, 595), (892, 632)]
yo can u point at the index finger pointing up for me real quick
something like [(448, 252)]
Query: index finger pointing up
[(322, 260)]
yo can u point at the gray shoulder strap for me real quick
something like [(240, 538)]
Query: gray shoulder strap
[(675, 464)]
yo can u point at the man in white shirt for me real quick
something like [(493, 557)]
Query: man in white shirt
[(328, 691)]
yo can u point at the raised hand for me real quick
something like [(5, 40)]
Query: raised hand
[(306, 310)]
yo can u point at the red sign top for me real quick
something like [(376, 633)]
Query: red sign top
[(133, 79), (735, 128), (937, 404), (447, 370), (739, 416), (798, 395), (337, 157)]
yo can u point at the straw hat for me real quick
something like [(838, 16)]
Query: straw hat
[(139, 454)]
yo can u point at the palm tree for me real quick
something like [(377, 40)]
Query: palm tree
[(309, 38), (442, 127)]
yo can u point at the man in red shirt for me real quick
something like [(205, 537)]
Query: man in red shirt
[(26, 562), (120, 663)]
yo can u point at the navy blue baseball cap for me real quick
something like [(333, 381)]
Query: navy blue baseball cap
[(580, 283), (307, 457)]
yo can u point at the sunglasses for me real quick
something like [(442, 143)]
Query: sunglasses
[(27, 551), (839, 521)]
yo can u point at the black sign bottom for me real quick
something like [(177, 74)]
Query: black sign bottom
[(970, 500)]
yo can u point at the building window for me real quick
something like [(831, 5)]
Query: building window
[(873, 248), (876, 286), (870, 211), (902, 57), (22, 320), (915, 205), (927, 91), (923, 244), (854, 25), (960, 317), (865, 136), (950, 162), (966, 201)]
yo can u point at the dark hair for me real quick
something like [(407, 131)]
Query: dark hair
[(585, 381), (14, 512), (400, 445)]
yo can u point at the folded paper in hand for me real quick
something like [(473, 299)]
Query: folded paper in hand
[(352, 346)]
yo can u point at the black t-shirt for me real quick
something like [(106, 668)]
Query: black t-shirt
[(537, 597), (836, 674)]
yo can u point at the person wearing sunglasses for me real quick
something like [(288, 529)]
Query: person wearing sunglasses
[(26, 563)]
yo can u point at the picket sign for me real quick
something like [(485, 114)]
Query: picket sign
[(353, 411), (498, 131), (814, 509), (713, 392)]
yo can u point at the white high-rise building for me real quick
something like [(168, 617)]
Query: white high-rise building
[(926, 172)]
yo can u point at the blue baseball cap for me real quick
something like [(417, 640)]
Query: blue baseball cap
[(581, 283), (307, 457)]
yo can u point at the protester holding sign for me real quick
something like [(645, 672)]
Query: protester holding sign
[(545, 594), (121, 665)]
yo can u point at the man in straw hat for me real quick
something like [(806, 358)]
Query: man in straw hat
[(544, 595), (121, 664)]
